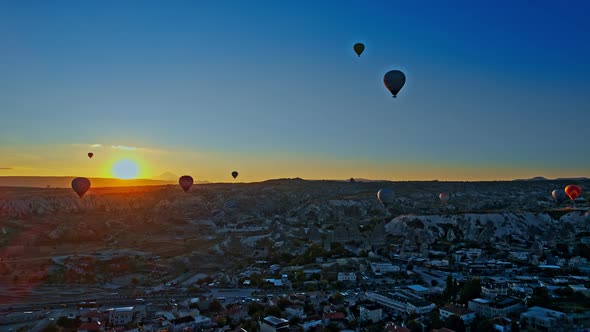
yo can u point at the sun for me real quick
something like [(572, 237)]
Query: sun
[(125, 169)]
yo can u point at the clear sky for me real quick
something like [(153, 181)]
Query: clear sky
[(273, 88)]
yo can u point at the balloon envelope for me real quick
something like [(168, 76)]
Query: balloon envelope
[(80, 186), (185, 182), (573, 191), (234, 174), (394, 81), (90, 154), (444, 197), (385, 196), (359, 48)]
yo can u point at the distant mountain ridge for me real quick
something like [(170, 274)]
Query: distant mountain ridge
[(541, 178), (65, 182)]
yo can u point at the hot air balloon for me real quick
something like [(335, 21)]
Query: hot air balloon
[(573, 191), (359, 48), (559, 195), (394, 81), (444, 197), (185, 181), (80, 186), (234, 174), (352, 180), (90, 154), (385, 196)]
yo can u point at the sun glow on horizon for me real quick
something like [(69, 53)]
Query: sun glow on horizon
[(125, 169)]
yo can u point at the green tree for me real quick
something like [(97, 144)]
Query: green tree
[(215, 306), (273, 311), (455, 323), (471, 290)]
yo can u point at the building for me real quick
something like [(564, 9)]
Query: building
[(392, 327), (493, 291), (370, 313), (418, 290), (346, 276), (542, 319), (295, 310), (495, 308), (274, 324), (466, 315), (384, 268), (120, 316), (402, 302), (502, 324), (90, 327)]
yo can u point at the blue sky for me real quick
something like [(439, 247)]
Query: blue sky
[(495, 86)]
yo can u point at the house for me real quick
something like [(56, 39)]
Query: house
[(542, 319), (466, 315), (494, 290), (380, 268), (502, 324), (418, 290), (346, 276), (495, 308), (311, 322), (392, 327), (121, 316), (333, 316), (273, 324), (402, 302), (371, 313), (295, 310), (91, 316), (91, 327)]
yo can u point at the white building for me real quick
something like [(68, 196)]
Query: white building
[(466, 315), (402, 302), (346, 276), (494, 290), (491, 309), (274, 324), (542, 319), (370, 313), (384, 268), (121, 316)]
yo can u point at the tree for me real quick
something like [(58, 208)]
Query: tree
[(273, 311), (215, 306), (471, 290), (414, 326), (455, 323), (337, 298)]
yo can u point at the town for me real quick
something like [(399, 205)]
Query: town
[(296, 255)]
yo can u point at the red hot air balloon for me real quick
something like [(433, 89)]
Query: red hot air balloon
[(90, 154), (573, 191), (80, 186), (185, 181), (444, 197)]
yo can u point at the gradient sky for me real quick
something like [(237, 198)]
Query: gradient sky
[(273, 89)]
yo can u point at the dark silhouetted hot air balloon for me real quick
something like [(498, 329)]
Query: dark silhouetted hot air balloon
[(352, 180), (444, 197), (386, 196), (559, 195), (185, 182), (394, 81), (234, 174), (90, 154), (359, 48), (573, 191), (80, 186)]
